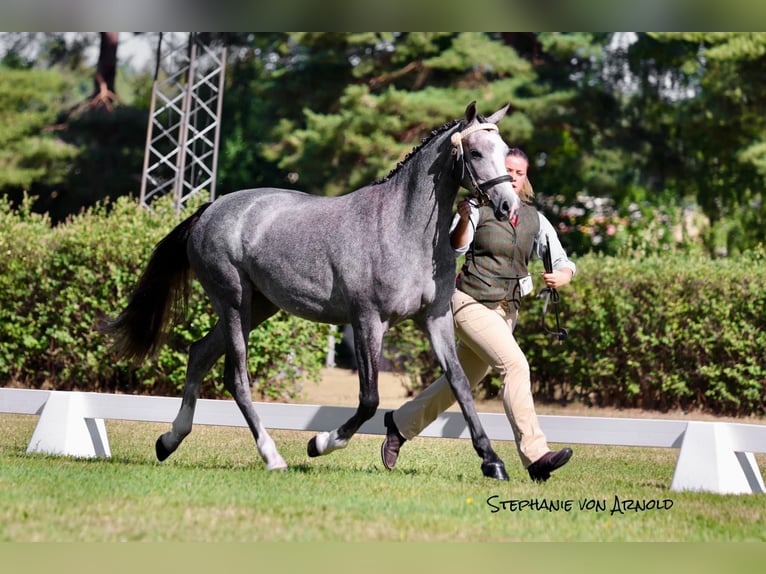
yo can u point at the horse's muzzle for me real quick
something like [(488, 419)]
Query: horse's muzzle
[(507, 210)]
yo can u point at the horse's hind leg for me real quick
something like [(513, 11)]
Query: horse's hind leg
[(236, 326), (202, 356), (368, 341)]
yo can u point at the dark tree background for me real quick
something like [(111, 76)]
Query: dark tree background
[(639, 142)]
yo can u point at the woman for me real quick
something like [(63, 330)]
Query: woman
[(485, 306)]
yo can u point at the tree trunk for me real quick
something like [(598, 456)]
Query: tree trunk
[(526, 45), (106, 71)]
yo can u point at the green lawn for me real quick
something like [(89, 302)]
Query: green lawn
[(214, 489)]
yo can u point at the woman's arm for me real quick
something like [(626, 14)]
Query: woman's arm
[(463, 226), (563, 268)]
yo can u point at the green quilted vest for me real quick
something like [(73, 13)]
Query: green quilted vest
[(498, 257)]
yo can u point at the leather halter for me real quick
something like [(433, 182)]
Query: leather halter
[(462, 165)]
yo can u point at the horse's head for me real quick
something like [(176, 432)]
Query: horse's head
[(480, 160)]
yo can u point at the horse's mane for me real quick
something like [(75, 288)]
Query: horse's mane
[(438, 131)]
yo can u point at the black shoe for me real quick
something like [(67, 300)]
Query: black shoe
[(541, 469), (389, 450)]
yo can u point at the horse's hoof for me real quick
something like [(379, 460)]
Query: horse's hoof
[(162, 452), (312, 449), (494, 470)]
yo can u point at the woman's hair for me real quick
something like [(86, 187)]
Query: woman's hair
[(527, 193)]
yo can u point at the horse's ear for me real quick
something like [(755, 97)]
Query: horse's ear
[(499, 114), (470, 112)]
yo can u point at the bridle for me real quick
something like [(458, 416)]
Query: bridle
[(463, 166)]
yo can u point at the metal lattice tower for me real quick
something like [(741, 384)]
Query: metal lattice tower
[(181, 152)]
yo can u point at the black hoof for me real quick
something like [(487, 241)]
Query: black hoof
[(312, 449), (162, 452), (494, 470)]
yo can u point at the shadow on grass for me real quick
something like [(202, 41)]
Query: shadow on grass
[(309, 469)]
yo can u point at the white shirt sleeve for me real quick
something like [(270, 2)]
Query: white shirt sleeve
[(474, 217), (559, 257)]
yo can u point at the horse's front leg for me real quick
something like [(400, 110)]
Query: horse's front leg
[(368, 342), (441, 332)]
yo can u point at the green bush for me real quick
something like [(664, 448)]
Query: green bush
[(667, 332), (409, 351), (663, 332), (57, 284)]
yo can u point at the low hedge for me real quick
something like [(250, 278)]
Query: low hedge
[(665, 332), (58, 283)]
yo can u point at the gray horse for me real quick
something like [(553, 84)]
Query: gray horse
[(370, 258)]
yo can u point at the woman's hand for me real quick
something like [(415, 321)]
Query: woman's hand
[(558, 278), (459, 236), (464, 210)]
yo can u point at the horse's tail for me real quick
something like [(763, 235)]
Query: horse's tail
[(159, 298)]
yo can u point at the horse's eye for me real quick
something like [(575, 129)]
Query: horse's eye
[(476, 154)]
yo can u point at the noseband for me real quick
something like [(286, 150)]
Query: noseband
[(462, 165)]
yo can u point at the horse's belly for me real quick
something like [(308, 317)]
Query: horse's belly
[(299, 292), (313, 308)]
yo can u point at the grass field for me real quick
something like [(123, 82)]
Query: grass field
[(214, 489)]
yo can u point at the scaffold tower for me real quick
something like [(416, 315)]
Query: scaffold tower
[(181, 153)]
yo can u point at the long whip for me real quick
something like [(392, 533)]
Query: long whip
[(551, 295)]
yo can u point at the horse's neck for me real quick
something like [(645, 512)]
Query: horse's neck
[(428, 194)]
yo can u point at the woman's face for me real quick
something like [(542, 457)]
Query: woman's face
[(517, 168)]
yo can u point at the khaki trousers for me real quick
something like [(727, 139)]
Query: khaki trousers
[(486, 342)]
